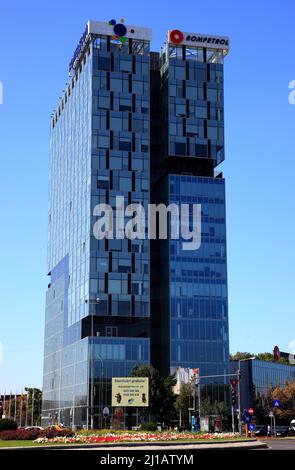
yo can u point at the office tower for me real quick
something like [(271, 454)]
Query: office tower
[(147, 127), (189, 288), (98, 298)]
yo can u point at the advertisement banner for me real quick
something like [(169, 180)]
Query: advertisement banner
[(130, 391)]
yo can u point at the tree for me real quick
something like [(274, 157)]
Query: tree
[(183, 402), (263, 406), (216, 408), (238, 356), (266, 356), (161, 396), (286, 396)]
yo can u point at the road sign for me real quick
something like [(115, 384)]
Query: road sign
[(271, 414), (276, 403), (251, 427), (251, 411), (246, 418), (106, 411)]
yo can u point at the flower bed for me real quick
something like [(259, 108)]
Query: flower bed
[(134, 437)]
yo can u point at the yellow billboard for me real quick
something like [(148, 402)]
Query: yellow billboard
[(130, 391)]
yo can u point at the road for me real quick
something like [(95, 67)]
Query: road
[(280, 444)]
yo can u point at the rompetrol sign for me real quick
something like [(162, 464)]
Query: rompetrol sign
[(130, 391), (175, 36)]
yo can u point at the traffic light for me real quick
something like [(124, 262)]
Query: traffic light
[(233, 396)]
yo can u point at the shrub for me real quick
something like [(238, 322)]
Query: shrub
[(20, 434), (7, 424), (149, 426), (32, 434)]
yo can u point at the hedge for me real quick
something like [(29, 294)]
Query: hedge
[(32, 434)]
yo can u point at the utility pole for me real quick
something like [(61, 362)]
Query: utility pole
[(239, 390), (239, 398), (21, 409), (32, 417), (27, 405), (92, 389), (199, 402)]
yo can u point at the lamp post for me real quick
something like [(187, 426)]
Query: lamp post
[(239, 390), (28, 389), (95, 302)]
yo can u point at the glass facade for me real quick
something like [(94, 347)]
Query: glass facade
[(193, 92), (198, 281), (144, 127), (259, 377), (98, 298), (192, 295)]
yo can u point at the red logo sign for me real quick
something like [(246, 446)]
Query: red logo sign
[(276, 353), (176, 36), (250, 411)]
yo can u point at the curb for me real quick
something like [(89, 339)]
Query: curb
[(253, 444)]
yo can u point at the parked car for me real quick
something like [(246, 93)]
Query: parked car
[(260, 430), (55, 427), (282, 431), (31, 428), (291, 431)]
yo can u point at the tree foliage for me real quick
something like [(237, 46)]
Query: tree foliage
[(286, 395), (265, 356), (161, 396), (238, 356)]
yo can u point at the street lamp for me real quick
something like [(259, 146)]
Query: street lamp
[(95, 302), (239, 390), (33, 398)]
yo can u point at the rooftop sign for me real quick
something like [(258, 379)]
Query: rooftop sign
[(119, 29), (177, 37)]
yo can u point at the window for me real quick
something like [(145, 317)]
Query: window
[(103, 182), (116, 123), (103, 63), (104, 102), (180, 110), (103, 142), (115, 286), (124, 144), (180, 148), (111, 331)]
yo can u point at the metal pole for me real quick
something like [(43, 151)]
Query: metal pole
[(92, 375), (15, 406), (274, 425), (199, 402), (233, 418), (21, 409), (27, 405), (92, 366), (239, 398), (9, 409), (32, 417)]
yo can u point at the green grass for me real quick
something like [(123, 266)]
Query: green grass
[(29, 443), (23, 443)]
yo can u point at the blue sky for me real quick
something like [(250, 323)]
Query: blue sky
[(37, 40)]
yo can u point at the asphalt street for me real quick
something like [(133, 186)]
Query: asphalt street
[(280, 444)]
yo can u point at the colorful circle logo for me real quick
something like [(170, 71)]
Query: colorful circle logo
[(176, 36), (120, 30)]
